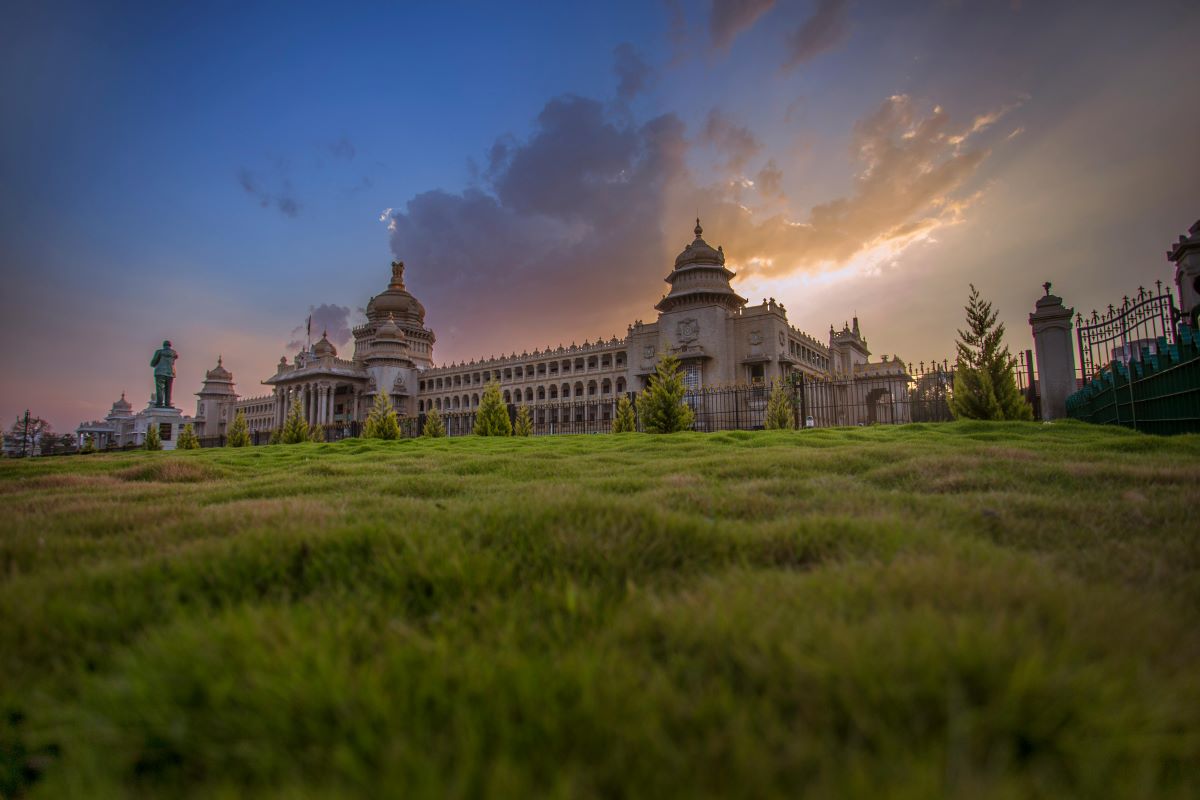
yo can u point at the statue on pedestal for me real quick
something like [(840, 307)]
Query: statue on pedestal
[(164, 374)]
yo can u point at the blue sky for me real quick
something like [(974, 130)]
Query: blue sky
[(209, 172)]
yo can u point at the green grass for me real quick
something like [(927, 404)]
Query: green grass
[(970, 610)]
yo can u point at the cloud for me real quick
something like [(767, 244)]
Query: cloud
[(827, 28), (633, 73), (911, 170), (284, 200), (569, 231), (332, 320), (730, 17), (342, 148), (735, 142)]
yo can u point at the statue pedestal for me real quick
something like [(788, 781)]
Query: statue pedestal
[(168, 420)]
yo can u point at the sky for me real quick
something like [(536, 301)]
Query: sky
[(212, 173)]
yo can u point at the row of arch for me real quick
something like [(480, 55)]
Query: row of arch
[(539, 370), (530, 394)]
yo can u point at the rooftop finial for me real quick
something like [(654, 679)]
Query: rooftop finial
[(397, 275), (698, 229), (218, 359), (1046, 286)]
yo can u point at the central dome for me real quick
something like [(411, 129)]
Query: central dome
[(396, 301), (699, 251)]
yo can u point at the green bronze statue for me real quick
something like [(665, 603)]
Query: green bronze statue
[(164, 374)]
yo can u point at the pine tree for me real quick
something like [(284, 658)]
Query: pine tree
[(316, 433), (624, 422), (661, 406), (524, 424), (295, 429), (153, 442), (781, 416), (187, 439), (89, 445), (492, 417), (434, 427), (984, 384), (239, 431), (381, 421), (276, 436)]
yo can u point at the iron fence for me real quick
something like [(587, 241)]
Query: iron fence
[(1128, 332)]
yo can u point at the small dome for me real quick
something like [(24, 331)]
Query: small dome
[(699, 251), (122, 404), (389, 331), (396, 300), (324, 347), (218, 373)]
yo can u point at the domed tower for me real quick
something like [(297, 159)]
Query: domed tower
[(215, 401), (700, 279), (406, 314)]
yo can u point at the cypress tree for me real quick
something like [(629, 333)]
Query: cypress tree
[(624, 421), (381, 421), (780, 414), (239, 431), (984, 384), (661, 406), (492, 417), (153, 442), (276, 436), (434, 427), (316, 433), (295, 429), (187, 439), (524, 426), (89, 444)]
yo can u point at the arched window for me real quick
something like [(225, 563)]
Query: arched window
[(474, 401), (566, 365), (591, 388), (466, 401), (566, 391), (529, 370), (528, 394), (553, 392), (420, 406), (507, 396), (620, 385), (541, 393), (438, 403), (579, 388), (592, 363), (606, 386), (455, 404), (508, 373)]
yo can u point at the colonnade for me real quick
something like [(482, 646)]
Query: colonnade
[(317, 401)]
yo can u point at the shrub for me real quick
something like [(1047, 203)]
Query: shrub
[(984, 384), (661, 406), (492, 417), (434, 427), (89, 445), (188, 439), (316, 433), (524, 425), (781, 416), (276, 436), (239, 432), (295, 429), (381, 421), (153, 442), (625, 421)]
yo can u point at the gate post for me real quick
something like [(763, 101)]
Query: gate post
[(1186, 255), (1051, 324)]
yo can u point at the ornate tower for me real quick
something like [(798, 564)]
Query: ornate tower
[(215, 401)]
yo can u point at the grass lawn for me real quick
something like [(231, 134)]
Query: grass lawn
[(973, 610)]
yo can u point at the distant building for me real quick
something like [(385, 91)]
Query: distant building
[(717, 336)]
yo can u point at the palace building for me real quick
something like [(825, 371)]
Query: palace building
[(716, 334)]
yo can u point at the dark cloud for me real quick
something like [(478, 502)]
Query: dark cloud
[(769, 180), (571, 230), (283, 200), (342, 148), (633, 73), (565, 230), (827, 28), (728, 18), (331, 320), (736, 143)]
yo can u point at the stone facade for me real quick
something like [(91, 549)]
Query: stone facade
[(718, 337)]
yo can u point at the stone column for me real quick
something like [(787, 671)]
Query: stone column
[(1186, 255), (1051, 324)]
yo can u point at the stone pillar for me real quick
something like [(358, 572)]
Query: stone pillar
[(1051, 324), (1186, 255)]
